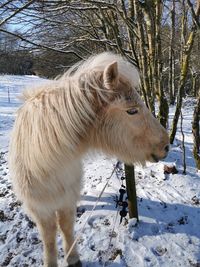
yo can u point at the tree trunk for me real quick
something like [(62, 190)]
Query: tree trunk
[(171, 83), (143, 58), (196, 134), (163, 104), (194, 84), (184, 71)]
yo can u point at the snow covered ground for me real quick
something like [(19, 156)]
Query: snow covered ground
[(167, 235)]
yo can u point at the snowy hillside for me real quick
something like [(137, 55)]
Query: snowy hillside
[(167, 235)]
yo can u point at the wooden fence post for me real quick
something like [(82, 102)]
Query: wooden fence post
[(131, 191)]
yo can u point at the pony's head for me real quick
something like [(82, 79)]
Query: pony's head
[(124, 126)]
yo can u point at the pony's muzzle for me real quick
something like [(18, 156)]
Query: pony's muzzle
[(156, 158)]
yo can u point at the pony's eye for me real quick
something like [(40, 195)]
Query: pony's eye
[(132, 111)]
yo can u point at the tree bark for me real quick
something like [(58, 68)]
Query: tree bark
[(171, 82), (163, 104), (143, 58), (194, 84), (184, 72), (196, 134)]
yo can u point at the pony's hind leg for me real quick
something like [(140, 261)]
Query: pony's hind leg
[(47, 228), (66, 222)]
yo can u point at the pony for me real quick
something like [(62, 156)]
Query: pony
[(93, 106)]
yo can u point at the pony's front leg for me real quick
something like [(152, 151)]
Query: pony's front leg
[(48, 228), (66, 222)]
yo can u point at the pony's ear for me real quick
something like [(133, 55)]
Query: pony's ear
[(110, 76)]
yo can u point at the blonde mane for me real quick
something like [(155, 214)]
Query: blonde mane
[(85, 71), (73, 97)]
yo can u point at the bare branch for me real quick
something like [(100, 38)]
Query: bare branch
[(80, 8), (16, 12), (40, 45), (195, 15), (5, 4)]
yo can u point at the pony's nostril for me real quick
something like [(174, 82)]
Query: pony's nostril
[(166, 148)]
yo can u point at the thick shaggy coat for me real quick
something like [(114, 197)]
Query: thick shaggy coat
[(94, 105)]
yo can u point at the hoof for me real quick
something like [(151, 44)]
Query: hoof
[(77, 264)]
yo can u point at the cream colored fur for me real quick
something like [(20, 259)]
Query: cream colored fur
[(61, 120)]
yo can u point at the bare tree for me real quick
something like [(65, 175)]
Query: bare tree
[(172, 55), (186, 53)]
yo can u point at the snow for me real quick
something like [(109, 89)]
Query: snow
[(168, 233)]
